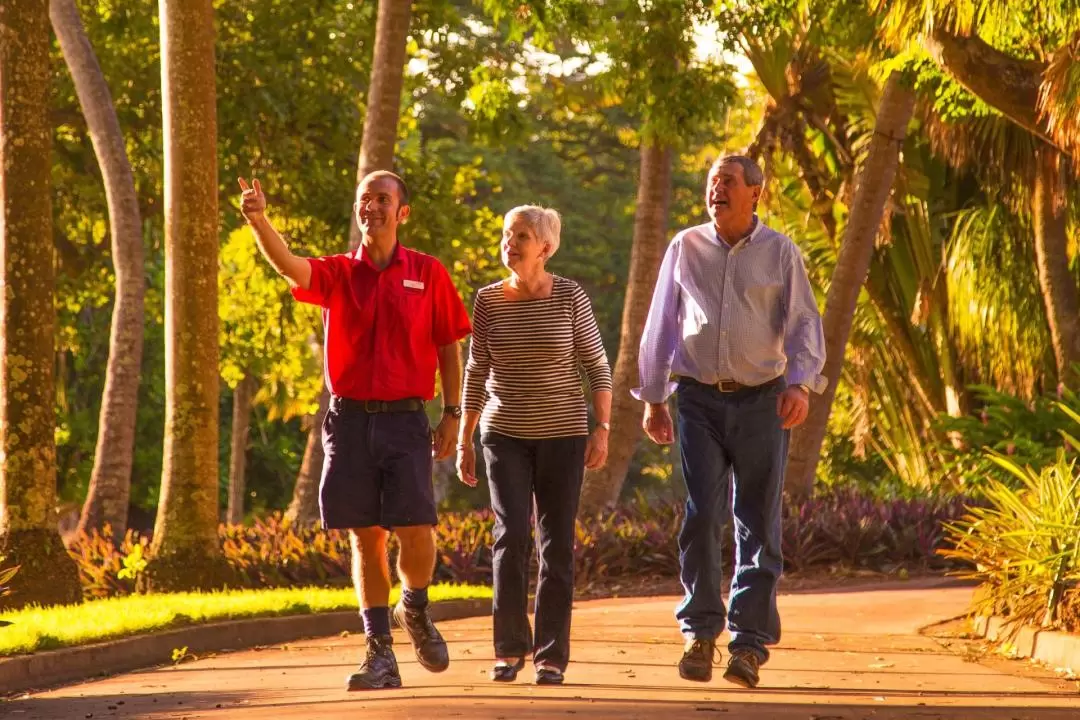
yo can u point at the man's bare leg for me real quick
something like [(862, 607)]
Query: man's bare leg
[(416, 563)]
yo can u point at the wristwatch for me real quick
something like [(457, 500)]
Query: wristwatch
[(804, 386), (453, 411), (605, 425)]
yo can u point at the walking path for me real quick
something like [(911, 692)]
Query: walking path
[(846, 653)]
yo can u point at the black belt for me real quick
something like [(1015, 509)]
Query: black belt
[(726, 386), (378, 406)]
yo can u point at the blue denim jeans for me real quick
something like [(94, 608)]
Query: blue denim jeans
[(731, 442), (520, 472)]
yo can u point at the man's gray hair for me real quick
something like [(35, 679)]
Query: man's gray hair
[(751, 171), (545, 222)]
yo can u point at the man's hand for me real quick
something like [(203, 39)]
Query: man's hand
[(596, 449), (442, 445), (252, 200), (466, 464), (792, 405), (657, 423)]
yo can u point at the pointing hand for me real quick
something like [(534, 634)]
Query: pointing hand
[(252, 200)]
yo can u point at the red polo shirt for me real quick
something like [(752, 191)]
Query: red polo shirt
[(383, 327)]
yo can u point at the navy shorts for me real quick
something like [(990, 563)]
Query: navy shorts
[(377, 469)]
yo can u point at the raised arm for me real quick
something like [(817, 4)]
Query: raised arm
[(253, 205)]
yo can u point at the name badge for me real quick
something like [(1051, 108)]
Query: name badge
[(414, 284)]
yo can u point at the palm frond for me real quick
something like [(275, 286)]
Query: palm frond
[(998, 325), (1059, 96)]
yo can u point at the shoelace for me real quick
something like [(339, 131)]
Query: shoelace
[(717, 655)]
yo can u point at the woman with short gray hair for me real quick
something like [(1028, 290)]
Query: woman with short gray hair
[(532, 331)]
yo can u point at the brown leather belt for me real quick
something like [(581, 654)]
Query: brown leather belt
[(726, 386), (378, 406)]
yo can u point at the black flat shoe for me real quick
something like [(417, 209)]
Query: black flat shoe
[(549, 676), (505, 672)]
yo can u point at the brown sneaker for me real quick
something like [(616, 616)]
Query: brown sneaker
[(742, 668), (427, 641), (379, 669), (697, 660)]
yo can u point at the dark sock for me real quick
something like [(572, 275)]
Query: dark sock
[(414, 598), (376, 620)]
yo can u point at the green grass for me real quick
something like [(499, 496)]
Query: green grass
[(36, 628)]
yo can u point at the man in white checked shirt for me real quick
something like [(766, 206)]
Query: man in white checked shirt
[(733, 319)]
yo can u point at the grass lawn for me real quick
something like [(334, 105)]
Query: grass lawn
[(37, 628)]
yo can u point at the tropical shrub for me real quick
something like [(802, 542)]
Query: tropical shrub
[(635, 541), (1030, 433), (1023, 545)]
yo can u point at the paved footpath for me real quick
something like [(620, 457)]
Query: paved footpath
[(847, 653)]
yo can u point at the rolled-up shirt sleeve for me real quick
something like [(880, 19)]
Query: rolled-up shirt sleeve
[(326, 273), (588, 344), (804, 339), (660, 338), (478, 366)]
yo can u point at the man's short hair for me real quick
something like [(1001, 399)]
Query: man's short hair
[(403, 189), (752, 174)]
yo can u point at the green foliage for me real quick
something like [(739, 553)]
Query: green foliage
[(1028, 433), (134, 563), (35, 628), (264, 332), (1023, 544)]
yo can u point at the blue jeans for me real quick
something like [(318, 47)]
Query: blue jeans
[(549, 471), (724, 437)]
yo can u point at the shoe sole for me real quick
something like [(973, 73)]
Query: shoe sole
[(740, 681), (389, 683), (399, 619), (704, 678)]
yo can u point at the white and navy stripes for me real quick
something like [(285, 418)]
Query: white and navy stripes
[(745, 313), (523, 369)]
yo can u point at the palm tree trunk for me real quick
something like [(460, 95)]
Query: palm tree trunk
[(28, 532), (185, 553), (1052, 259), (602, 487), (110, 480), (304, 508), (871, 195), (384, 94), (241, 423)]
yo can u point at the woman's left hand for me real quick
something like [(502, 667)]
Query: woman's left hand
[(596, 449)]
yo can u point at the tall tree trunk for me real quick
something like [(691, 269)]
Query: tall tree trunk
[(304, 508), (871, 195), (186, 553), (1058, 287), (1004, 82), (376, 153), (110, 480), (241, 423), (602, 487), (28, 532), (384, 95)]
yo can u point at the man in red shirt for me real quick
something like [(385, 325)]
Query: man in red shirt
[(390, 315)]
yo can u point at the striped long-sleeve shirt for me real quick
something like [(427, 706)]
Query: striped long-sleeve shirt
[(523, 370), (745, 313)]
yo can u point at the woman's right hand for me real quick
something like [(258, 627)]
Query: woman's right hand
[(466, 464)]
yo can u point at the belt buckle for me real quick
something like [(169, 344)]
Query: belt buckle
[(727, 386), (373, 406)]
